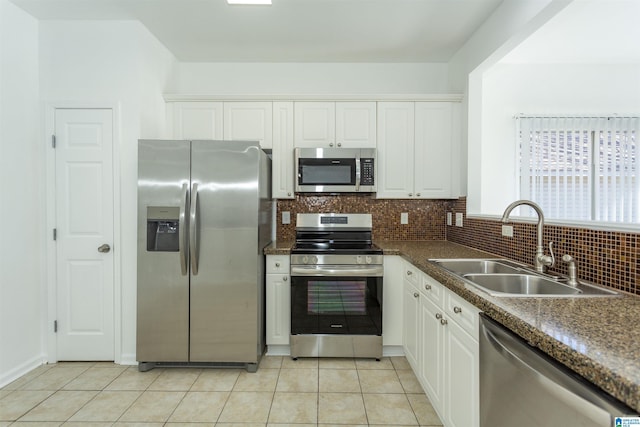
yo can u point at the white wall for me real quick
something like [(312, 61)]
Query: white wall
[(21, 198), (311, 78), (113, 64), (510, 89), (510, 23)]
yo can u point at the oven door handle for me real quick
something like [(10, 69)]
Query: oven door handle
[(338, 270)]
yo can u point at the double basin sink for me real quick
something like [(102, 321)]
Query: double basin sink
[(502, 277)]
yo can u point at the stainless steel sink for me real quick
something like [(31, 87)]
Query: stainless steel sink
[(506, 278), (465, 266), (519, 284)]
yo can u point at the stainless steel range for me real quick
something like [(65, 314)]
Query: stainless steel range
[(336, 287)]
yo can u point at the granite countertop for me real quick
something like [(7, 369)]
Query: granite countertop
[(595, 337)]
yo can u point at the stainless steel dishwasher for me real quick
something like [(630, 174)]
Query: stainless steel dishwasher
[(521, 386)]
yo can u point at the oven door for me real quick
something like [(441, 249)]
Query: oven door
[(336, 303)]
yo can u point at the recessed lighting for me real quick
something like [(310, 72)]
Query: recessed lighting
[(262, 2)]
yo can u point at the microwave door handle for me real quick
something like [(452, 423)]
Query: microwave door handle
[(357, 172)]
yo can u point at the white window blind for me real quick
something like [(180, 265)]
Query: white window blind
[(581, 168)]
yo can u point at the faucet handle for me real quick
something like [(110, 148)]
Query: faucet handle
[(553, 257), (547, 260)]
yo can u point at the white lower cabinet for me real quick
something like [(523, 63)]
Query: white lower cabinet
[(278, 297), (441, 344)]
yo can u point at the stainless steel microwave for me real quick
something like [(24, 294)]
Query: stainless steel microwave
[(335, 170)]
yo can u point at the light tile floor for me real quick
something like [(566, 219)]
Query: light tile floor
[(305, 392)]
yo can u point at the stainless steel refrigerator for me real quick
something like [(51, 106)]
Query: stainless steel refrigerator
[(204, 217)]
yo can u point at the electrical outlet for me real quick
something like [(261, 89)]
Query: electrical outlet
[(404, 218), (449, 218), (507, 230), (286, 217), (459, 219)]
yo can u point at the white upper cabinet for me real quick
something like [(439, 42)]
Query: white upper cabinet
[(249, 121), (356, 124), (282, 154), (315, 124), (335, 124), (396, 139), (196, 120), (435, 147), (418, 150)]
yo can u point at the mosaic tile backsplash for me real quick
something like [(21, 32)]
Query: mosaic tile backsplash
[(426, 217), (605, 257)]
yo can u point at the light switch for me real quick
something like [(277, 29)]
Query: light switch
[(404, 218), (449, 218), (507, 230), (286, 217), (458, 219)]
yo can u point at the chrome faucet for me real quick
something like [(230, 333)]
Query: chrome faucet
[(541, 260)]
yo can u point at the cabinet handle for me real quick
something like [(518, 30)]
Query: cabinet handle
[(289, 193), (285, 278), (415, 295), (339, 144), (277, 264), (457, 310), (331, 144), (410, 194), (443, 322), (418, 194), (438, 316), (409, 273), (427, 287)]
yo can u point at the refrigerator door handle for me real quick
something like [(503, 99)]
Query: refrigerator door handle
[(193, 230), (182, 244)]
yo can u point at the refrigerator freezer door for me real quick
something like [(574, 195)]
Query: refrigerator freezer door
[(163, 282), (226, 290)]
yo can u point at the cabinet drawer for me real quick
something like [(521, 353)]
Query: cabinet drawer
[(412, 274), (432, 289), (463, 313), (278, 264)]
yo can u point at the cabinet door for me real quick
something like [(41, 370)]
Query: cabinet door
[(282, 154), (432, 351), (356, 124), (410, 334), (278, 310), (434, 147), (396, 121), (197, 120), (249, 121), (315, 124), (462, 378)]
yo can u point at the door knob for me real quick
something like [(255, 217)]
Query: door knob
[(104, 248)]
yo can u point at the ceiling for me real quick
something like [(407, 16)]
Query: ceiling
[(586, 31), (291, 30)]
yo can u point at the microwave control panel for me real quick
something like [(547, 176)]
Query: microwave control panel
[(366, 172)]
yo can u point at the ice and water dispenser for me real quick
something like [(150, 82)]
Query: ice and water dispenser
[(163, 229)]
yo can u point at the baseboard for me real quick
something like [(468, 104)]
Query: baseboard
[(128, 359), (392, 350), (278, 350), (26, 367)]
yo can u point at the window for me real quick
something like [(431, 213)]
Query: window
[(581, 168)]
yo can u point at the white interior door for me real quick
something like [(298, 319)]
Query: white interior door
[(84, 228)]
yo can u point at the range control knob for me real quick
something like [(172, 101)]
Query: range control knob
[(305, 259), (368, 259), (358, 259), (314, 259)]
